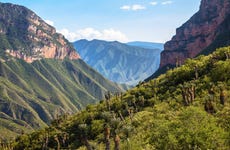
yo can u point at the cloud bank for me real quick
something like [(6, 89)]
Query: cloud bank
[(153, 3), (167, 2), (134, 7), (91, 33)]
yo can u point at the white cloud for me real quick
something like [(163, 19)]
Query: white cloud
[(125, 7), (167, 2), (138, 7), (134, 7), (91, 33), (50, 22), (71, 36), (153, 3)]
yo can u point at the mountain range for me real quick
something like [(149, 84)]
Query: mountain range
[(187, 107), (120, 62), (148, 45), (41, 74)]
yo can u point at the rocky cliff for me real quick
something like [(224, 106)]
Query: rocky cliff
[(26, 36), (208, 28)]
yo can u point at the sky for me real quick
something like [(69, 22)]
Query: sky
[(114, 20)]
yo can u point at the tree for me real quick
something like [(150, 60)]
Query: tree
[(115, 124), (83, 130), (58, 142), (188, 93), (107, 137), (222, 96), (107, 99), (191, 129)]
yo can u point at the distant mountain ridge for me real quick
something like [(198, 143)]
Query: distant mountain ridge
[(117, 61), (148, 45)]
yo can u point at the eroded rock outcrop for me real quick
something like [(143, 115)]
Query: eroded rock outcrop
[(26, 36), (199, 32)]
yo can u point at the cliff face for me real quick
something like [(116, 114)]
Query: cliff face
[(199, 32), (26, 36)]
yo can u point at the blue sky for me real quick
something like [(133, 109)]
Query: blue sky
[(122, 20)]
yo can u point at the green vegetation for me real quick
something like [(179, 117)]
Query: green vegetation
[(186, 108), (160, 71), (31, 95)]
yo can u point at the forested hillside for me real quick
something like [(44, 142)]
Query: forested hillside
[(186, 108)]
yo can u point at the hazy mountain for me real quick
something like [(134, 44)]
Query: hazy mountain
[(148, 45), (117, 61)]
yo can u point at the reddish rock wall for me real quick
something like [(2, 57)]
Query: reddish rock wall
[(197, 33)]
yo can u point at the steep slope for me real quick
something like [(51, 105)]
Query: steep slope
[(119, 62), (148, 45), (185, 108), (41, 74), (34, 94), (208, 29)]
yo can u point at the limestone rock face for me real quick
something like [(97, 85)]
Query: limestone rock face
[(27, 36), (198, 32)]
